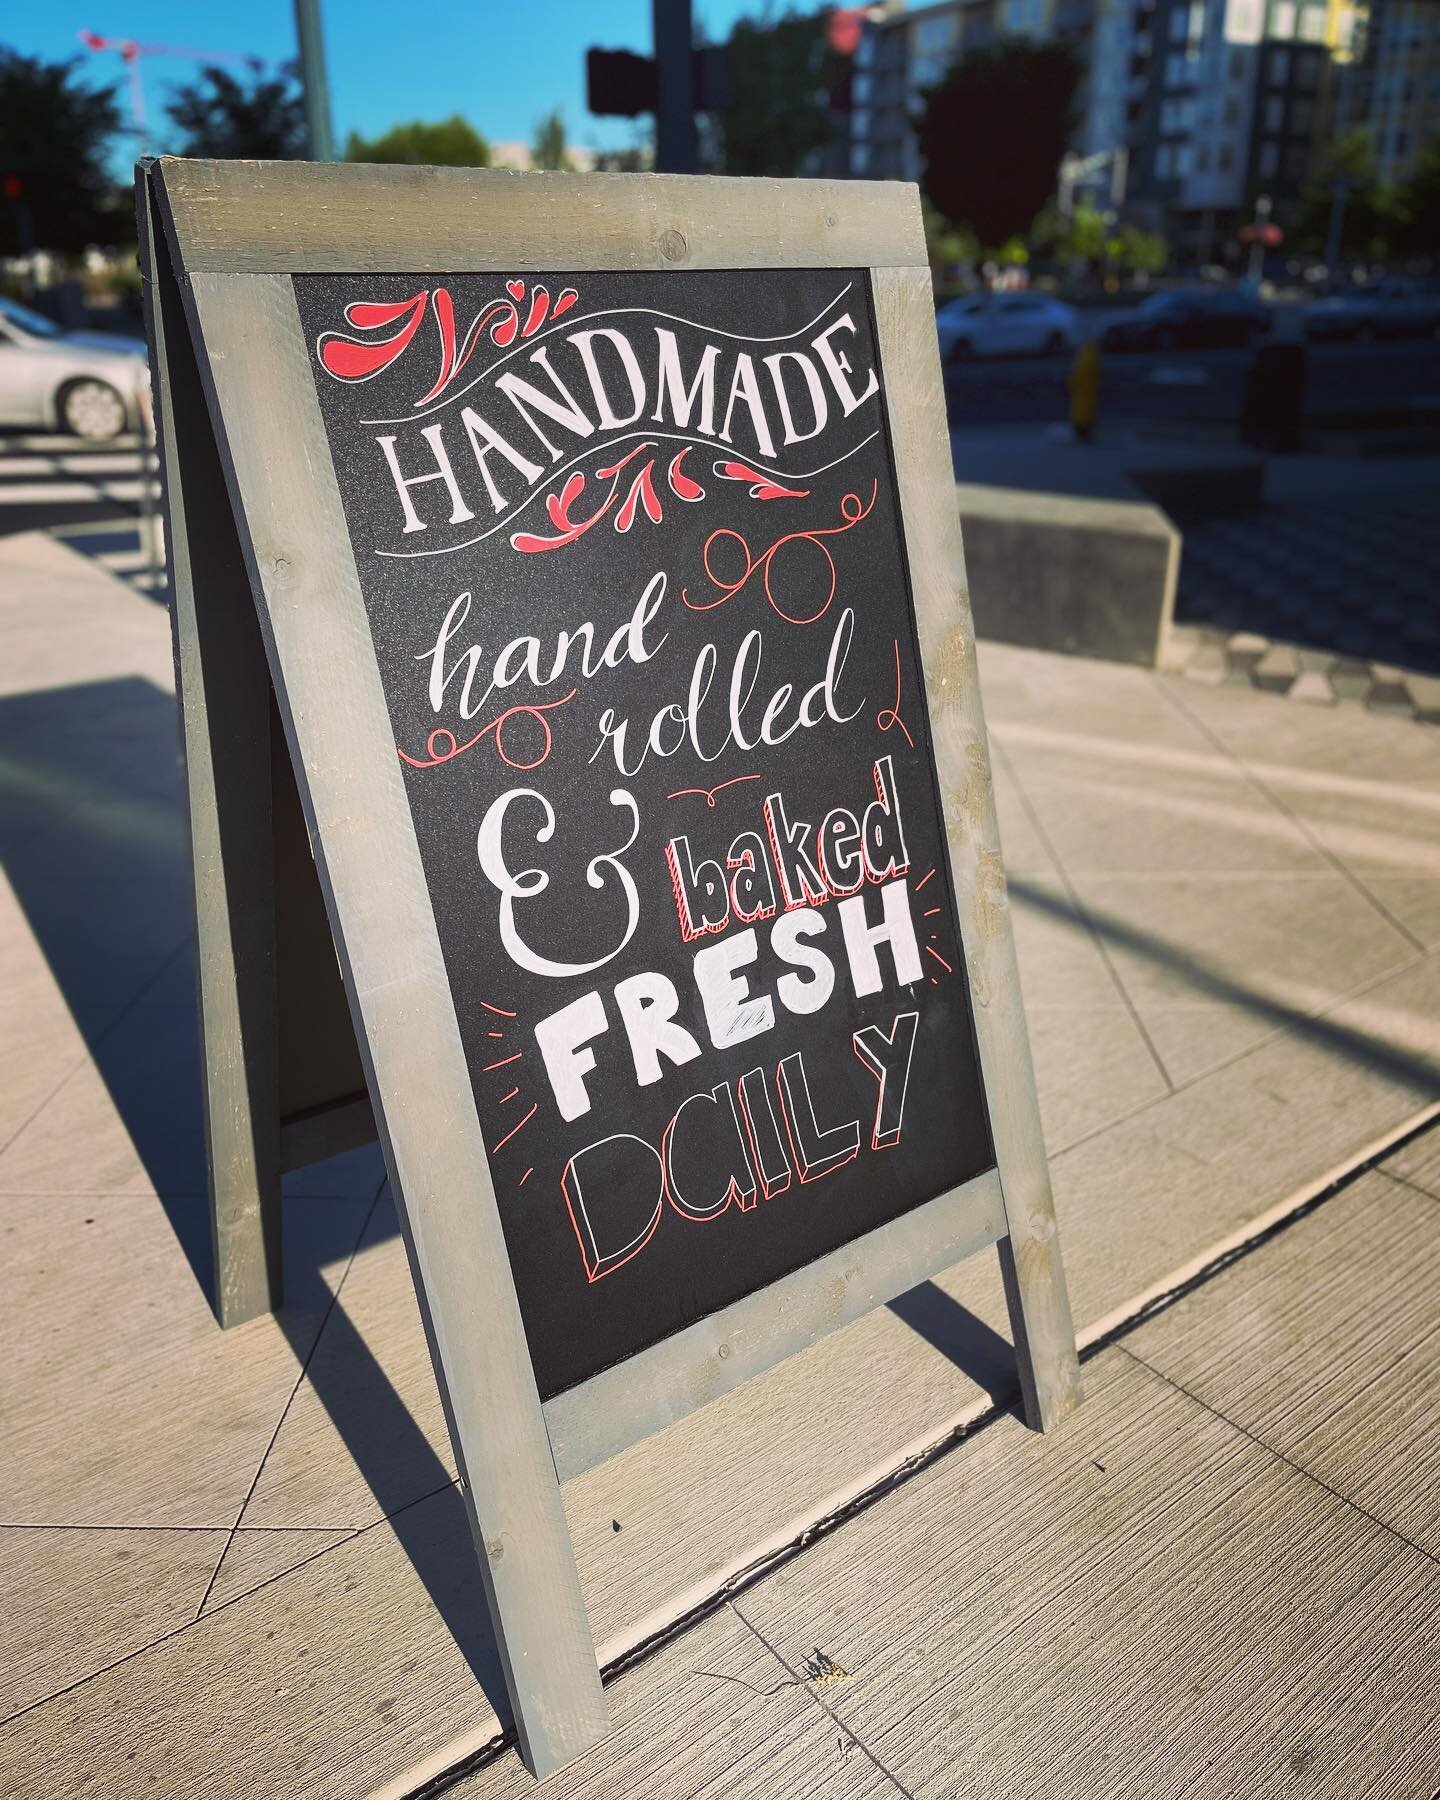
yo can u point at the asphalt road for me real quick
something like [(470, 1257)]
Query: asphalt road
[(1199, 386)]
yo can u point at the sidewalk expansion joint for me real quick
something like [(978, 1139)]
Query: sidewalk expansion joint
[(1279, 1455)]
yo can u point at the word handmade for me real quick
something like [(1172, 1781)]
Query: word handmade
[(586, 385)]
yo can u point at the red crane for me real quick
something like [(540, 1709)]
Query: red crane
[(131, 52)]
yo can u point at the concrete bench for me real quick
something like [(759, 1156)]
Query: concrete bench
[(1091, 577)]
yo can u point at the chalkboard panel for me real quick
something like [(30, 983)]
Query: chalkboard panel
[(631, 562)]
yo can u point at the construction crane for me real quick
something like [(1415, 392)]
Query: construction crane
[(131, 52)]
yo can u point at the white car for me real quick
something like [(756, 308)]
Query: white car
[(83, 382), (1004, 325)]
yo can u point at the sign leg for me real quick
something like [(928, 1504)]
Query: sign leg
[(223, 685)]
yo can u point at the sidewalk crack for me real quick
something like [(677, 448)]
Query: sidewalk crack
[(290, 1398), (799, 1679), (1280, 1456)]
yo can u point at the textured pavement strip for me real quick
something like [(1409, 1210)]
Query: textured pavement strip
[(311, 1475), (1234, 1543)]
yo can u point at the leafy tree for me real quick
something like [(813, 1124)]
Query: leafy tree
[(991, 135), (1374, 214), (549, 150), (946, 247), (1139, 252), (222, 115), (451, 143), (636, 159), (53, 137), (782, 72), (1421, 201)]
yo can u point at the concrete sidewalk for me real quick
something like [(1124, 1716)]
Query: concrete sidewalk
[(1218, 1579), (237, 1563)]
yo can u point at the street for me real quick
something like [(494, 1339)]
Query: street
[(1194, 386)]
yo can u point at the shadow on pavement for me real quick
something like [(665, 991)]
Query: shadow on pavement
[(92, 841)]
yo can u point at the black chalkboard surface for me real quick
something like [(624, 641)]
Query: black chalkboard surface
[(631, 561)]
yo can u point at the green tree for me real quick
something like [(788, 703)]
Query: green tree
[(1374, 215), (991, 134), (1138, 252), (779, 116), (1420, 199), (54, 134), (451, 143), (549, 149), (222, 115)]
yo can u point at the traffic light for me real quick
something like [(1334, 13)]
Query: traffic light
[(619, 84)]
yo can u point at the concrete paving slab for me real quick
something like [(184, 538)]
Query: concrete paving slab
[(77, 1601), (126, 1405), (1412, 901), (360, 1440), (1330, 1353), (1212, 962), (1150, 1604), (249, 1559), (1417, 1162), (1081, 1095)]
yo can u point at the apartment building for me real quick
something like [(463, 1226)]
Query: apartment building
[(1393, 87), (1191, 110), (903, 51)]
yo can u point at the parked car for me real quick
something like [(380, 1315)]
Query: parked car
[(1395, 307), (1186, 320), (82, 382), (1004, 325)]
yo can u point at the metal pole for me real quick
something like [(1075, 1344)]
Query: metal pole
[(676, 151), (1335, 237), (313, 80), (1257, 243)]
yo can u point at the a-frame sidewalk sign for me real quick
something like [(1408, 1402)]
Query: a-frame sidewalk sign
[(589, 794)]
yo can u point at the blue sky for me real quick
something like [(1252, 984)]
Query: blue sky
[(500, 63)]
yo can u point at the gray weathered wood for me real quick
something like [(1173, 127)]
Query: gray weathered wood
[(1030, 1254), (339, 217), (224, 693), (267, 416), (644, 1394)]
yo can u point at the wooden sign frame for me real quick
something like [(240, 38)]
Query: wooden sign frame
[(257, 531)]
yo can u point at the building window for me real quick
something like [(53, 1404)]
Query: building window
[(1275, 113), (1237, 65), (1202, 159), (1179, 23), (1295, 161), (1302, 115), (1182, 159), (1269, 158), (1164, 161), (934, 36), (1279, 68), (1307, 72), (1312, 24), (1225, 160), (1231, 114), (1282, 19)]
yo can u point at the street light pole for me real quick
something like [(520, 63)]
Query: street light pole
[(676, 147), (313, 80)]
